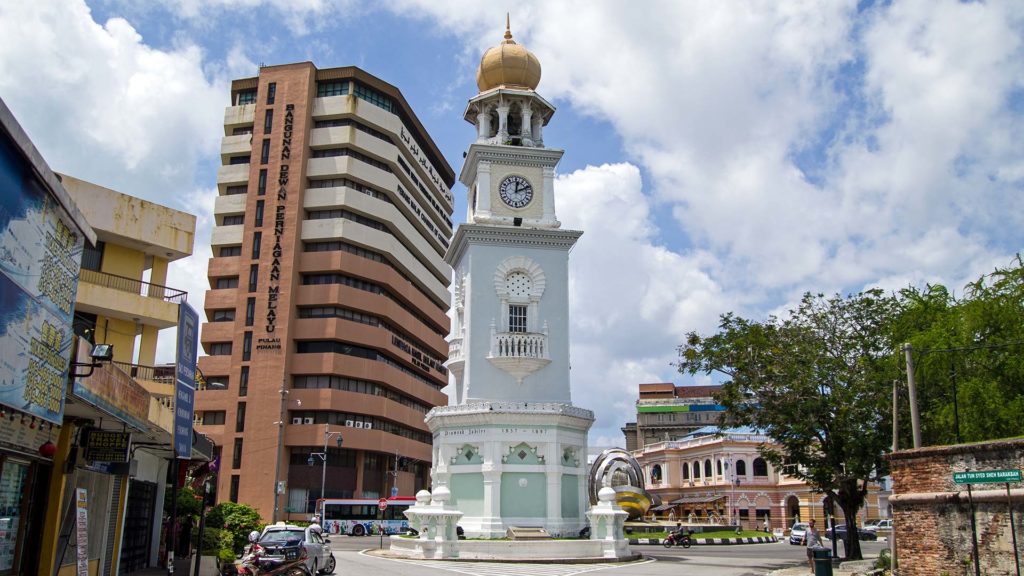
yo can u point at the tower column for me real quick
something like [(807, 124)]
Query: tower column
[(502, 123), (483, 125), (549, 196), (483, 190), (527, 129)]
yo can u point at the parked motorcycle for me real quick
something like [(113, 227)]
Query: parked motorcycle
[(676, 539), (253, 562)]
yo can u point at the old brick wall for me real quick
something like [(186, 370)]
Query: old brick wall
[(932, 516)]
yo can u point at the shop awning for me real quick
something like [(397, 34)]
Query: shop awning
[(662, 508), (697, 500)]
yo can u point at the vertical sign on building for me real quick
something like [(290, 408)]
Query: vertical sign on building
[(82, 531), (40, 257), (185, 380)]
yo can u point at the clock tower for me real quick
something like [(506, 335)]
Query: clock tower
[(511, 447)]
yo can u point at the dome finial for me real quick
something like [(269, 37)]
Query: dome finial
[(508, 28)]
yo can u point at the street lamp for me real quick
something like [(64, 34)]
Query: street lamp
[(323, 460)]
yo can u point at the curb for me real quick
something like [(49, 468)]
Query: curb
[(708, 541)]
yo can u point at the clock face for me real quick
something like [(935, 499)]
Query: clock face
[(516, 191)]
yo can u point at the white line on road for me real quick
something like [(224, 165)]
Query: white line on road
[(508, 568)]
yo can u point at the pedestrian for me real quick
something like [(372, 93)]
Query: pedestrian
[(812, 540), (767, 525)]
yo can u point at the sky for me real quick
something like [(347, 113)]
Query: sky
[(720, 156)]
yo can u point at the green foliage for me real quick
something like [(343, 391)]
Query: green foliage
[(215, 540), (818, 382), (884, 560), (969, 358), (236, 519), (188, 505)]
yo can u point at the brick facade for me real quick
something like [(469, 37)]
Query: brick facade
[(932, 514)]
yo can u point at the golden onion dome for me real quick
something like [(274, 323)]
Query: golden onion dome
[(508, 64)]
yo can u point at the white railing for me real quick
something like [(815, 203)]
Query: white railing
[(519, 345), (455, 350)]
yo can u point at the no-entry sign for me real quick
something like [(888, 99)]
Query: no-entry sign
[(382, 504)]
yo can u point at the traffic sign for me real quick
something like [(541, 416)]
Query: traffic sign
[(382, 504), (987, 476)]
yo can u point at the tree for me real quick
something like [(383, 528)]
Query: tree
[(819, 383), (968, 357), (238, 519)]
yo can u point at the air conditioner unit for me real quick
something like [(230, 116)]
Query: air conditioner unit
[(296, 420), (359, 424), (368, 425), (348, 423), (307, 420)]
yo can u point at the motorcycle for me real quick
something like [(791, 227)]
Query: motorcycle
[(676, 539), (253, 563)]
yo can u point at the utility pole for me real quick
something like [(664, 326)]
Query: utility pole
[(280, 447), (915, 418), (895, 447)]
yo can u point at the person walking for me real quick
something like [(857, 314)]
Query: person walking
[(812, 540)]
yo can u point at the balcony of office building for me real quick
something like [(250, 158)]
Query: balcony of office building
[(136, 300)]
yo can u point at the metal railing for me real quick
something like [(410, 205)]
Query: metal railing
[(138, 287), (162, 374)]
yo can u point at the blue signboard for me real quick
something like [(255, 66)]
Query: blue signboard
[(185, 380), (40, 256)]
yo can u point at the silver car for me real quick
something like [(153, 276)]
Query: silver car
[(797, 533), (318, 553)]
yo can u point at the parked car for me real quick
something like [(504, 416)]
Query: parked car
[(318, 553), (797, 533), (884, 525), (862, 533)]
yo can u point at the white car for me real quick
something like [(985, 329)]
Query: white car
[(318, 554)]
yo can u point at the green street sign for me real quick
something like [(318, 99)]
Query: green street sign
[(986, 476)]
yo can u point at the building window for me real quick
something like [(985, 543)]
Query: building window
[(226, 315), (240, 418), (257, 240), (247, 346), (245, 97), (250, 311), (233, 220), (230, 251), (707, 468), (741, 467), (233, 493), (241, 131), (262, 189), (686, 471), (331, 88), (517, 318), (268, 121), (233, 190), (760, 467), (243, 382), (92, 256), (217, 383), (374, 97), (220, 349), (259, 213), (213, 417), (226, 282), (265, 151), (696, 470), (235, 160), (271, 92), (254, 273), (236, 456)]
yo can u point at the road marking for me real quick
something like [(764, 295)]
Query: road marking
[(508, 568)]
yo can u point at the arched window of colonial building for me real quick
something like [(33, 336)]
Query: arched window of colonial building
[(760, 467)]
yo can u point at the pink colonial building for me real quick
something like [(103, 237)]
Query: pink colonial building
[(709, 477)]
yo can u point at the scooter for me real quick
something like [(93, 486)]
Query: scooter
[(674, 539), (254, 564)]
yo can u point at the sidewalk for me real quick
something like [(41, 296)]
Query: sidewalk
[(182, 567), (852, 568)]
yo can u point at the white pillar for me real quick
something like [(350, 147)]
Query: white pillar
[(549, 194), (502, 123), (483, 189), (483, 125)]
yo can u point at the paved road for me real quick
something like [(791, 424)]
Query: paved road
[(745, 560)]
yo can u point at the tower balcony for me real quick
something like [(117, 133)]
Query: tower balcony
[(519, 353), (456, 357)]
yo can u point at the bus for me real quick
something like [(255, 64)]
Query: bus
[(360, 516)]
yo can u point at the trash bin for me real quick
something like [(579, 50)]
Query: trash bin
[(822, 562)]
